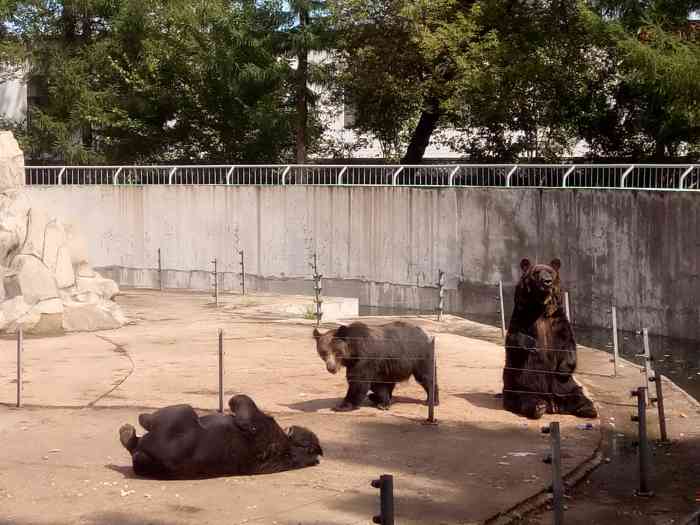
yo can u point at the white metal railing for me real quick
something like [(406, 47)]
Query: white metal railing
[(632, 176)]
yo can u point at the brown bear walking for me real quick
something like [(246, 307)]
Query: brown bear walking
[(376, 358), (541, 350)]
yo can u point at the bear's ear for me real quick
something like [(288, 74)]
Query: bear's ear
[(525, 264), (556, 264), (317, 334), (341, 331)]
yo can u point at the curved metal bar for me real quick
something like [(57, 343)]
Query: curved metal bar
[(284, 174), (681, 182), (451, 178), (396, 175), (510, 175), (625, 175), (340, 175), (566, 175), (115, 179)]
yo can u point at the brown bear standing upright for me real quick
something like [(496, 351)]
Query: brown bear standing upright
[(541, 350)]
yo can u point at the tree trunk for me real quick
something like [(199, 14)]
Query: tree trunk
[(424, 130), (301, 100), (660, 150)]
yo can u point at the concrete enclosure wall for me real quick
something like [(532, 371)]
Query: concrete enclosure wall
[(638, 250)]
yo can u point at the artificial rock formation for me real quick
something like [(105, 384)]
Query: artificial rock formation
[(48, 284)]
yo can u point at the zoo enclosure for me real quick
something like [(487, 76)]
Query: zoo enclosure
[(682, 177)]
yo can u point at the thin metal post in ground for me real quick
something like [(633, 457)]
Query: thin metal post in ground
[(648, 368), (242, 272), (221, 371), (433, 383), (385, 484), (641, 418), (160, 272), (216, 283), (567, 307), (660, 406), (557, 483), (20, 345), (441, 294), (503, 312), (616, 350)]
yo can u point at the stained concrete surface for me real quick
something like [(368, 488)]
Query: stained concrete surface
[(62, 462)]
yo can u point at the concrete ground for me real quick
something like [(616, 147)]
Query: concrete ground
[(61, 461)]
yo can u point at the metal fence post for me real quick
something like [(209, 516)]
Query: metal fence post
[(557, 484), (160, 271), (385, 484), (648, 369), (502, 307), (317, 290), (242, 273), (216, 283), (221, 371), (616, 350), (433, 384), (441, 294), (641, 418), (20, 346), (660, 407)]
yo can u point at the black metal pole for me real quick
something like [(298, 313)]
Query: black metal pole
[(160, 272), (385, 484), (431, 391), (557, 485), (20, 344), (242, 273), (216, 284), (641, 418), (221, 371), (660, 406)]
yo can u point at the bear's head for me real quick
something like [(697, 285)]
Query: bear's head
[(540, 283), (305, 446), (332, 348)]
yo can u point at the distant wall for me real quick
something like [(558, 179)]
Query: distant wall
[(639, 250)]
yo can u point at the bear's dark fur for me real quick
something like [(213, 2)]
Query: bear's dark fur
[(376, 358), (541, 350), (179, 444)]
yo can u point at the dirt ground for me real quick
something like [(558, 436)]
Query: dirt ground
[(61, 461)]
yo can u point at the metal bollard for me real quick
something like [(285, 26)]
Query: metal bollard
[(557, 482), (160, 272), (317, 290), (221, 371), (641, 417), (431, 393), (20, 348), (385, 484), (216, 283), (441, 294), (660, 406), (503, 313), (242, 273), (648, 369), (616, 350)]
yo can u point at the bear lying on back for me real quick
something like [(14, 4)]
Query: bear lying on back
[(376, 358), (541, 350), (180, 444)]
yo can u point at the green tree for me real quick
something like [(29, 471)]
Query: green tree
[(148, 80)]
